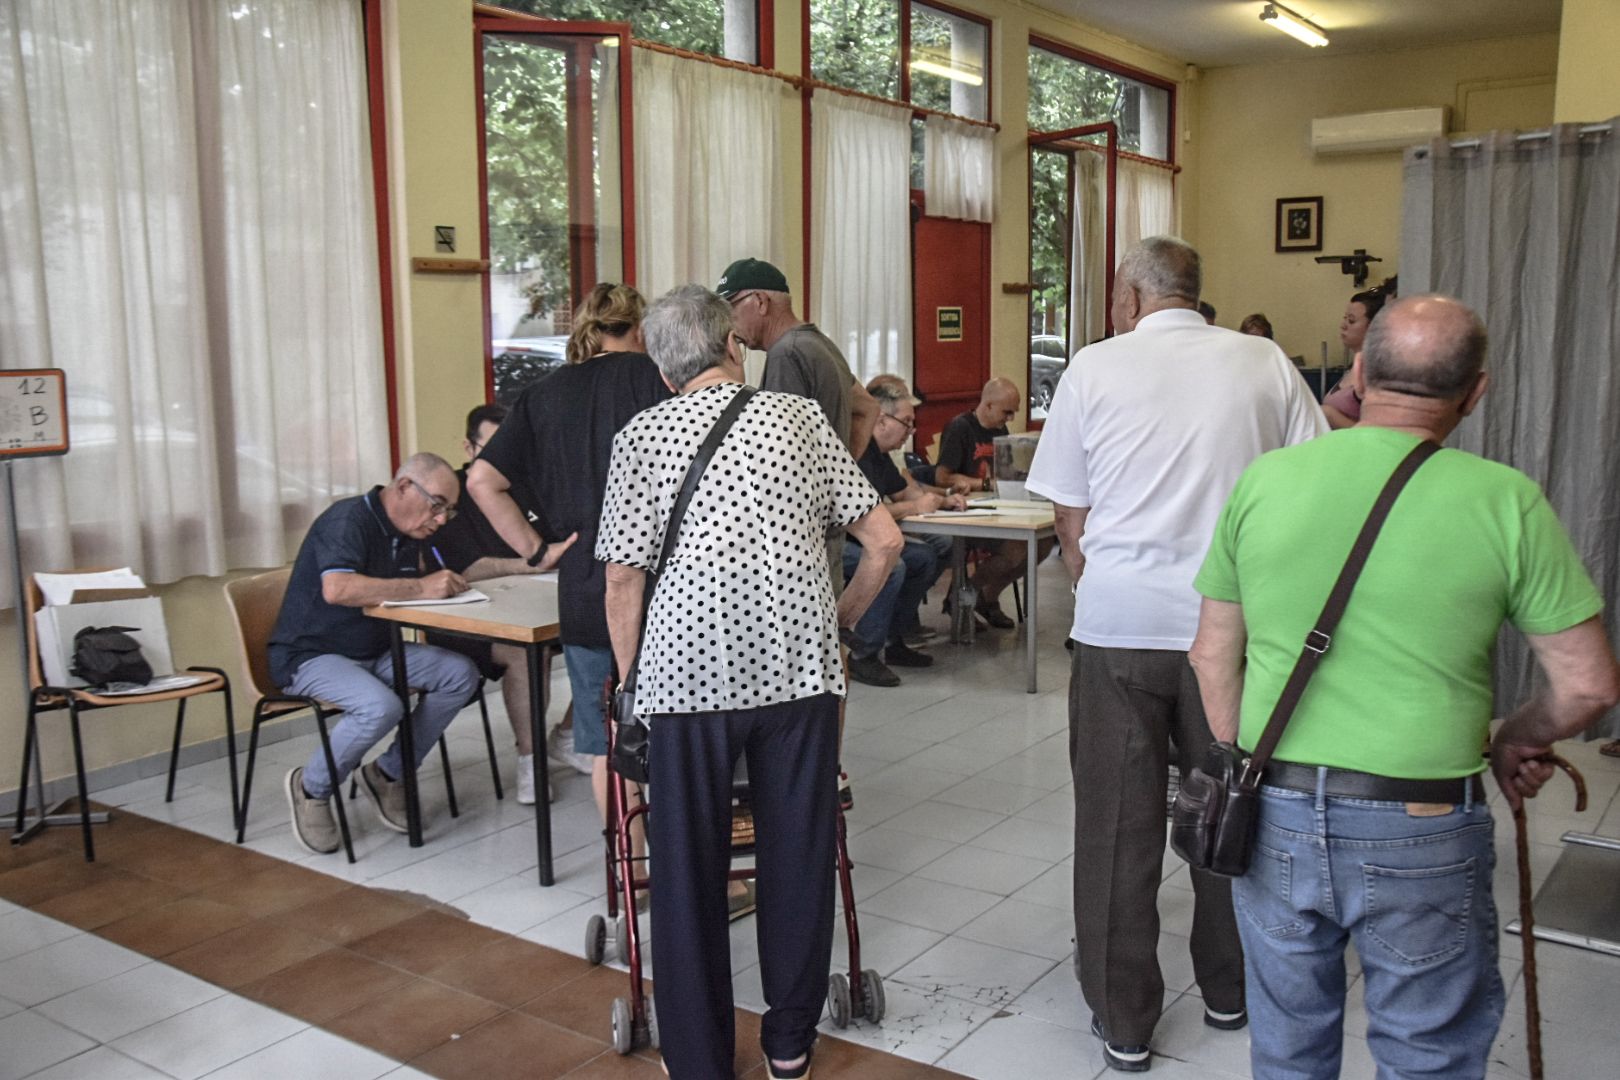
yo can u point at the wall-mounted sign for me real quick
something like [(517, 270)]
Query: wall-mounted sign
[(948, 324)]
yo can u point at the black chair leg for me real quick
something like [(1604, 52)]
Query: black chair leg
[(174, 751), (230, 755), (489, 741), (449, 781), (1018, 600), (247, 774), (337, 795), (84, 787), (27, 757)]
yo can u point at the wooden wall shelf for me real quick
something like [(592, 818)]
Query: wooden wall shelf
[(450, 266)]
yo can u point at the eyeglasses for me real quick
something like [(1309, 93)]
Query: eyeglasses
[(745, 294), (439, 506), (909, 425)]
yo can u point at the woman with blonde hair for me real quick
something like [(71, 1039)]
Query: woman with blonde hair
[(555, 446), (608, 321)]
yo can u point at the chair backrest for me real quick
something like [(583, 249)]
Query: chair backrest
[(255, 602)]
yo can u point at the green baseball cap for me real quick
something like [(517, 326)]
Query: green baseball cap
[(747, 275)]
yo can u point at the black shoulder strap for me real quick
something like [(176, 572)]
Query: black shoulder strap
[(672, 531), (1318, 640)]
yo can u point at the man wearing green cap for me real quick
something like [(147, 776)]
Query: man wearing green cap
[(799, 359)]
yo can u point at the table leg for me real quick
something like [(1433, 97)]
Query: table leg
[(539, 695), (407, 735), (958, 580), (1029, 608)]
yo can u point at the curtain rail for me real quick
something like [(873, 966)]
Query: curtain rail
[(1528, 136), (1126, 155)]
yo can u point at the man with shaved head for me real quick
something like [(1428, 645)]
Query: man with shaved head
[(1374, 828), (361, 551), (967, 453), (1147, 433)]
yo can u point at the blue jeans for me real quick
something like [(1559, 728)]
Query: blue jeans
[(893, 613), (364, 690), (1414, 895), (589, 666)]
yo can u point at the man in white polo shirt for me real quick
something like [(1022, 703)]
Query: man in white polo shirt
[(1147, 434)]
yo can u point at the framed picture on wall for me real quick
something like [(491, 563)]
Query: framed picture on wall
[(1299, 223)]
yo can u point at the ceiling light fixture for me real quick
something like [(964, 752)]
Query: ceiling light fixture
[(1294, 26), (948, 72)]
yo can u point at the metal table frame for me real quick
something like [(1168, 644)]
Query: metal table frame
[(501, 620), (1031, 526)]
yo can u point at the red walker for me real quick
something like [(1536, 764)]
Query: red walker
[(635, 1023)]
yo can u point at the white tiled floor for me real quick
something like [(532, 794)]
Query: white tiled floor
[(79, 1008), (962, 839)]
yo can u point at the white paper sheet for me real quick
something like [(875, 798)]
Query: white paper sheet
[(471, 596), (59, 588)]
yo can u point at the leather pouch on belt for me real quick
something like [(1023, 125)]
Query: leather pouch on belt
[(1428, 809)]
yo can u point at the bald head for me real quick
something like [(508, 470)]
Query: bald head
[(998, 403), (1426, 346)]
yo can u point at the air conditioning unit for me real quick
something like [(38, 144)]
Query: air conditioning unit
[(1369, 133)]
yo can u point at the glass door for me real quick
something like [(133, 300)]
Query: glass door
[(554, 104)]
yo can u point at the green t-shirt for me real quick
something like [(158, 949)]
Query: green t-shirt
[(1405, 689)]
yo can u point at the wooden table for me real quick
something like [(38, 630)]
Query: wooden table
[(522, 610), (1029, 522)]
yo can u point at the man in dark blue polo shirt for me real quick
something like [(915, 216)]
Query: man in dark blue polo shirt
[(364, 550)]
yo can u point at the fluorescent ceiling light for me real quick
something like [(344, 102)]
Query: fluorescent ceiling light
[(948, 72), (1294, 26)]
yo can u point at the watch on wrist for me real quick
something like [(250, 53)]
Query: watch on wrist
[(539, 554)]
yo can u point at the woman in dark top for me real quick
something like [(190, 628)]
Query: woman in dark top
[(557, 442), (1342, 407)]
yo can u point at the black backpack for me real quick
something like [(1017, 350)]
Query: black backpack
[(107, 654)]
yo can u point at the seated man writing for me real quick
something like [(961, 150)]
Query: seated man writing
[(967, 448), (893, 615), (364, 550)]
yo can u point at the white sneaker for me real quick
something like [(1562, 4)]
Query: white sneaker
[(560, 748), (525, 779)]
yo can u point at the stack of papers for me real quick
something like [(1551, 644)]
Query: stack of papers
[(59, 588), (471, 596)]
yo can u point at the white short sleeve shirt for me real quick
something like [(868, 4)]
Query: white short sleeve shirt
[(744, 614), (1150, 430)]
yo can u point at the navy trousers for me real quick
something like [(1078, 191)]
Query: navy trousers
[(792, 753)]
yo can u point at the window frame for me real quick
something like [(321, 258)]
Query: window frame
[(1124, 71), (764, 28), (904, 47)]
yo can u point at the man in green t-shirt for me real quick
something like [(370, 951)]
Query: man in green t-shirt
[(1373, 824)]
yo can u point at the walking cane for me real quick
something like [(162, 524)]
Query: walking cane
[(1527, 922)]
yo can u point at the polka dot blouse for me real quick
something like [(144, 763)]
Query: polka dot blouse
[(744, 615)]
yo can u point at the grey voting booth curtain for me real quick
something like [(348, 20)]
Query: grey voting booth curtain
[(1525, 231)]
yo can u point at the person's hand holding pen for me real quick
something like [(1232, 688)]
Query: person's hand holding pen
[(443, 583)]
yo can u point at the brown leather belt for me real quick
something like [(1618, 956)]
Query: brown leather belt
[(1349, 784)]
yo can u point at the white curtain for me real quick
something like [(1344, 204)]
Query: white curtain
[(1088, 257), (959, 169), (186, 227), (861, 213), (1144, 204), (1527, 233), (708, 178)]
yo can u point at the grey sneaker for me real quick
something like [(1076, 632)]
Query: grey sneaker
[(387, 796), (313, 825)]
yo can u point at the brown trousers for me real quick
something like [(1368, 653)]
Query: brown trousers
[(1127, 708)]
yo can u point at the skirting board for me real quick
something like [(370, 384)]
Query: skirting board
[(127, 772)]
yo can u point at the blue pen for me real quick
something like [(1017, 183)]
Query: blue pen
[(436, 555)]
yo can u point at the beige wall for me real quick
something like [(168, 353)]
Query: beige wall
[(1252, 130), (1589, 42)]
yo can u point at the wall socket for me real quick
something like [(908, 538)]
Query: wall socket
[(444, 238)]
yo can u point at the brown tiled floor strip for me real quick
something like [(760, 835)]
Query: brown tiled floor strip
[(405, 978)]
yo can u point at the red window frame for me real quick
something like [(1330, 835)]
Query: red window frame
[(1124, 71), (579, 269)]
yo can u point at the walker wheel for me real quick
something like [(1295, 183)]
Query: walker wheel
[(621, 936), (652, 1023), (838, 999), (595, 938), (624, 1026), (872, 995)]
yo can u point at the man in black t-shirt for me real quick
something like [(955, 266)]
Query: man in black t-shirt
[(967, 451), (894, 614)]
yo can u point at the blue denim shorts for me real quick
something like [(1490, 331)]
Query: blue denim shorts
[(588, 668)]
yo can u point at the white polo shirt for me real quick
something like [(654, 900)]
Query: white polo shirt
[(1151, 429)]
